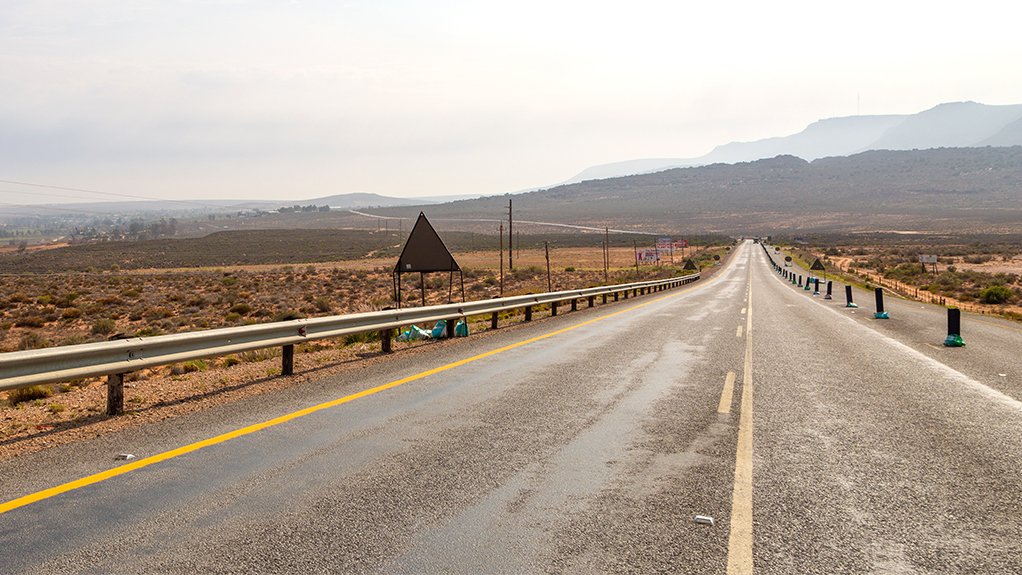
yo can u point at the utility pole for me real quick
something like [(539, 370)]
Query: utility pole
[(510, 234), (635, 248), (606, 254), (501, 259), (549, 284)]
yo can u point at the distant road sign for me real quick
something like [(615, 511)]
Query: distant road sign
[(927, 259), (787, 258)]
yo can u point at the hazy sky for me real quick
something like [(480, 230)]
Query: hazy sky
[(294, 100)]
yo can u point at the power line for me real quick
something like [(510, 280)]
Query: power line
[(111, 194)]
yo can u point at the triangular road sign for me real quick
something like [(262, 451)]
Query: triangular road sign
[(424, 251), (691, 265), (817, 266)]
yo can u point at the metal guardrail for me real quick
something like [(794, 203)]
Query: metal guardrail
[(116, 358)]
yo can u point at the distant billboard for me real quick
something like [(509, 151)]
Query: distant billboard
[(927, 259), (647, 255)]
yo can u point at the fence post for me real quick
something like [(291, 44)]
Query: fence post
[(287, 362), (115, 394)]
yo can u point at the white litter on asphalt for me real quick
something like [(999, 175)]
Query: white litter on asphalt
[(124, 457), (704, 519)]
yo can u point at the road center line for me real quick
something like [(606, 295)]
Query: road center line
[(739, 544), (185, 449), (727, 393), (738, 332)]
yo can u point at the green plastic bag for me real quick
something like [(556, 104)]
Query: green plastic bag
[(461, 328)]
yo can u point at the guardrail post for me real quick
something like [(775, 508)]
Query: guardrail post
[(287, 362), (115, 394), (450, 327), (592, 300), (615, 296), (553, 309), (493, 320), (528, 313), (574, 304), (385, 336)]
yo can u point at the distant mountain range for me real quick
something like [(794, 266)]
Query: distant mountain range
[(952, 125), (942, 190), (352, 201)]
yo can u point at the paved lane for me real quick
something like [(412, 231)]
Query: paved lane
[(820, 440), (871, 456), (587, 451)]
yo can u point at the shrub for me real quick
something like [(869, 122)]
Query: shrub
[(71, 313), (241, 308), (103, 326), (32, 340), (55, 408), (16, 396), (322, 304), (996, 294), (30, 321), (230, 361)]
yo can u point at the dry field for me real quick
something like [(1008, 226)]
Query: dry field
[(38, 310)]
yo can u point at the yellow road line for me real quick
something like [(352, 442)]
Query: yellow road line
[(727, 393), (739, 543), (147, 461)]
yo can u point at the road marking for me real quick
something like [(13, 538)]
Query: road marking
[(739, 543), (727, 393), (183, 450), (743, 311), (738, 333)]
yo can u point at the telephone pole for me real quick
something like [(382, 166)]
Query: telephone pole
[(510, 234)]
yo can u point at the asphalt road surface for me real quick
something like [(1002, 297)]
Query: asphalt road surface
[(818, 439)]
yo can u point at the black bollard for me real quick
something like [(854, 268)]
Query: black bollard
[(880, 313), (848, 297), (830, 290), (954, 328), (816, 286), (799, 280)]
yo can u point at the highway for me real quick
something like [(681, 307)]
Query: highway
[(818, 439)]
